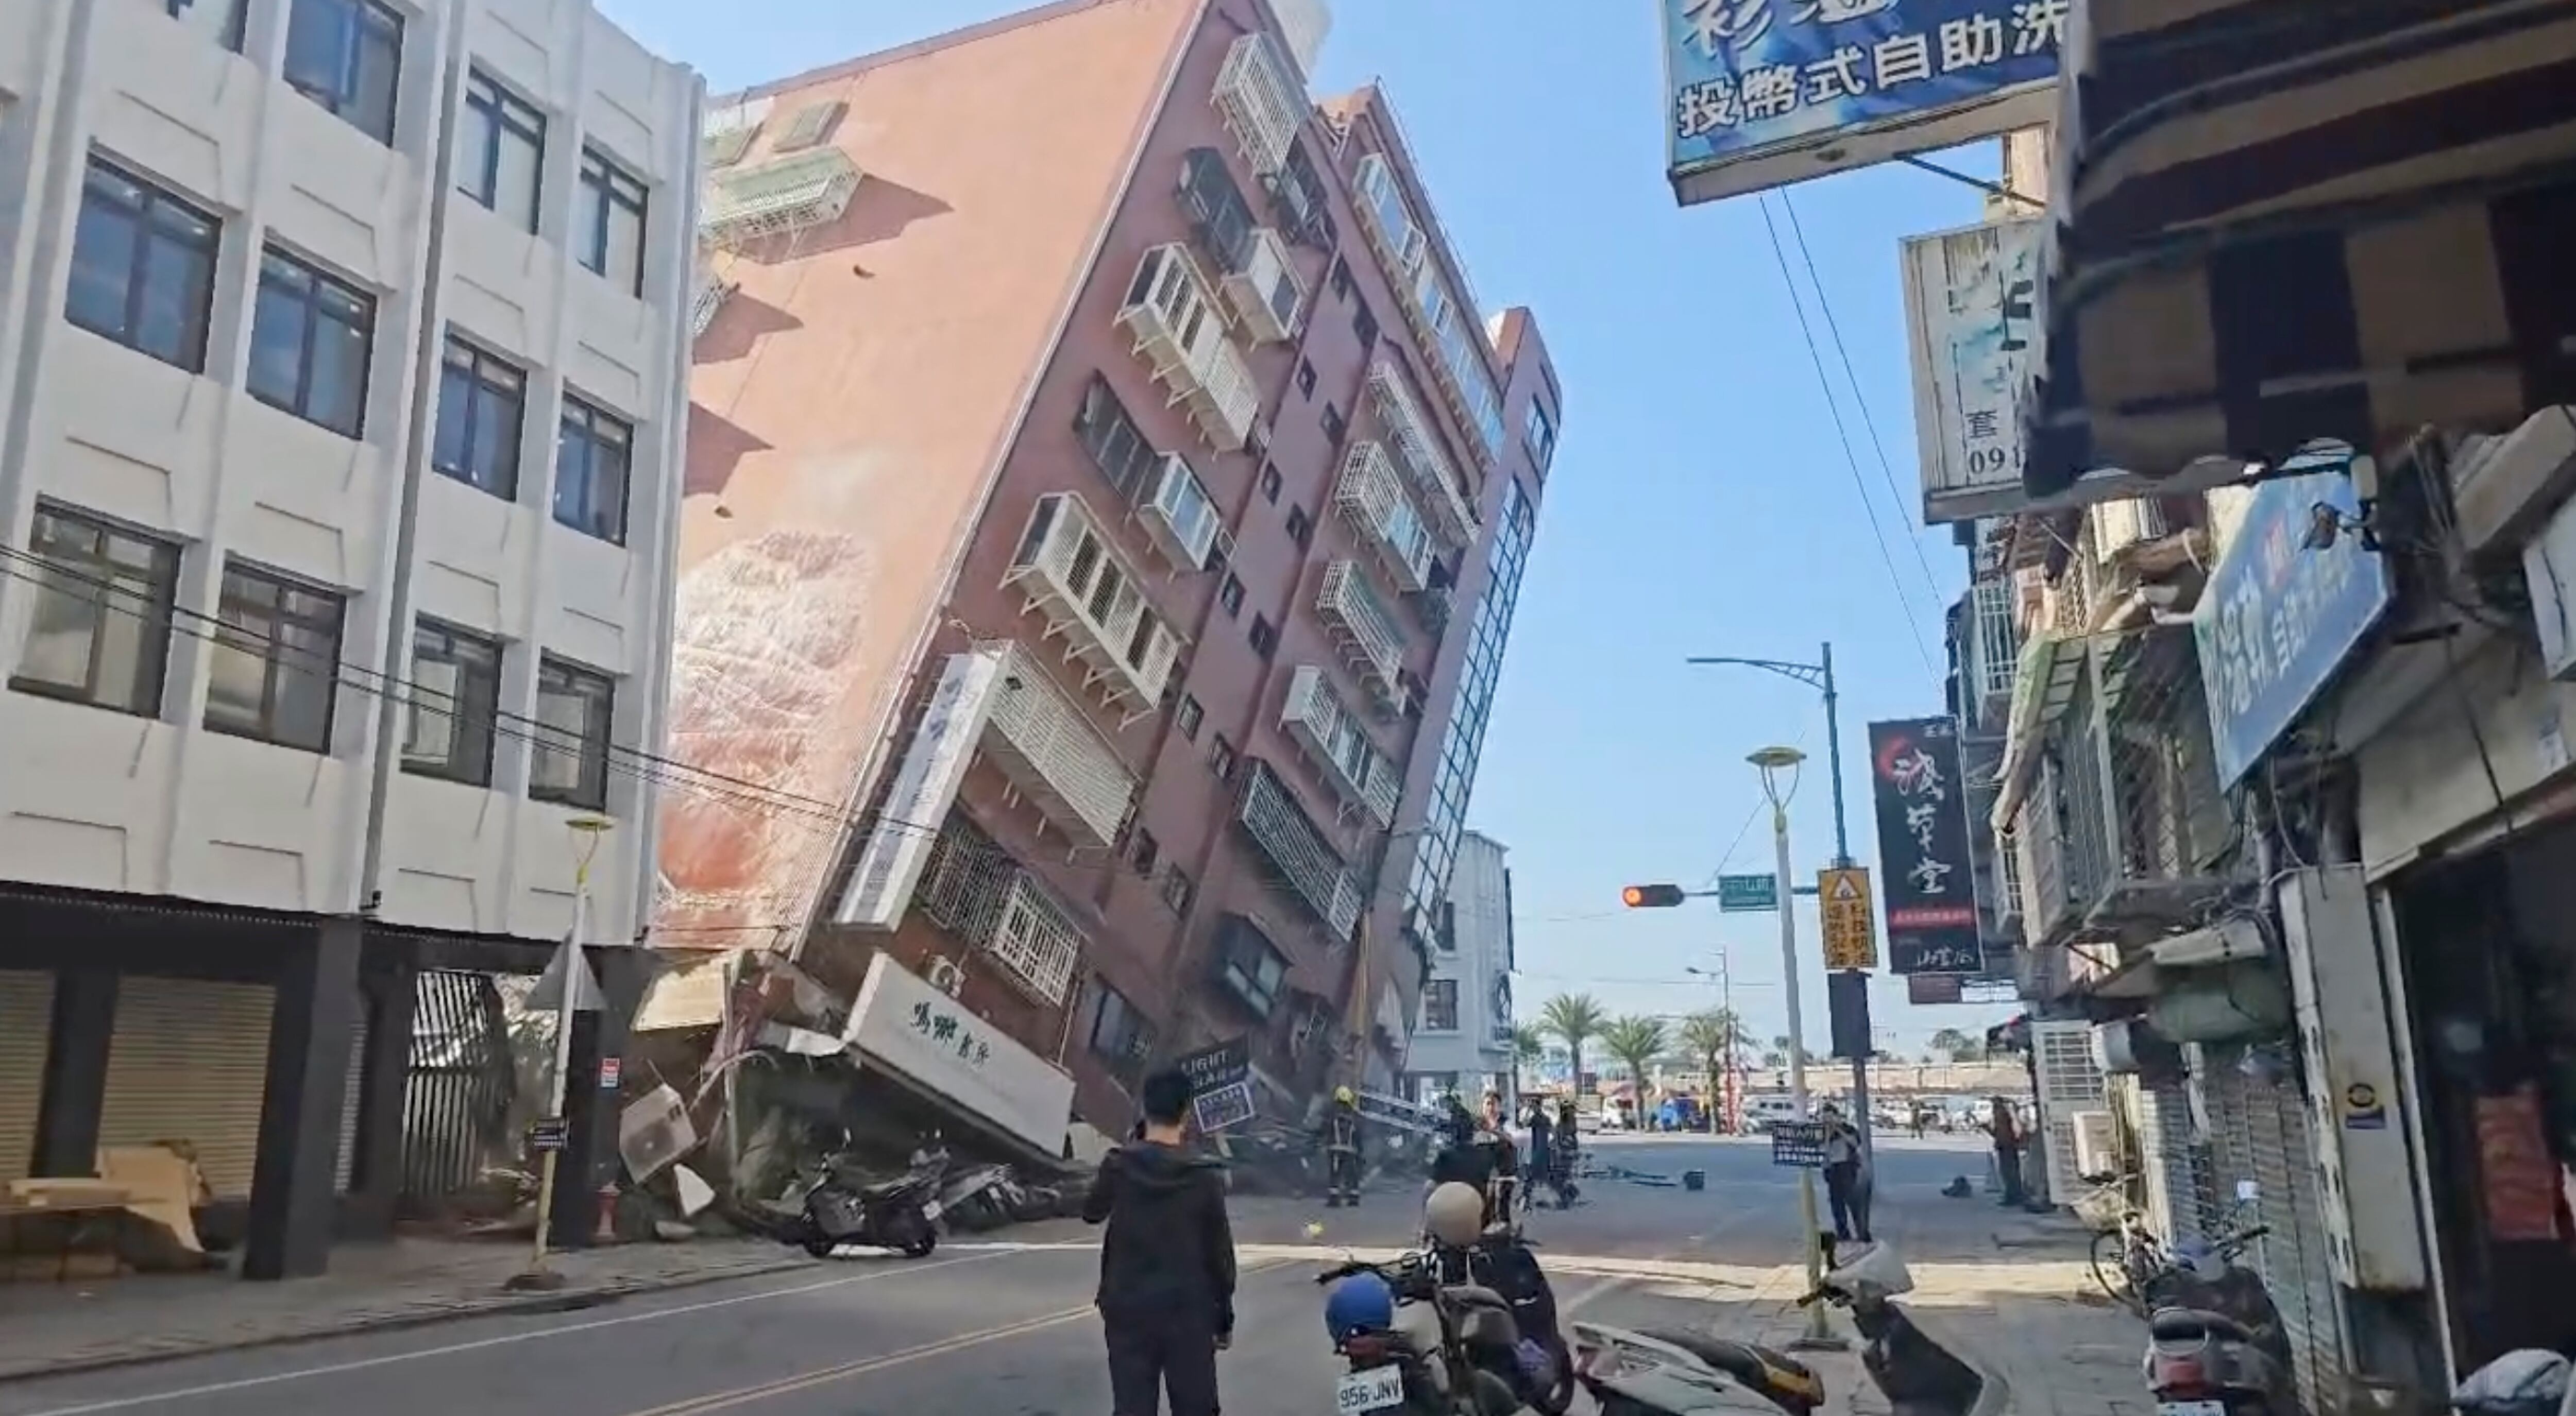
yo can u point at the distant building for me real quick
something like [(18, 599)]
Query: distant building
[(1463, 1040)]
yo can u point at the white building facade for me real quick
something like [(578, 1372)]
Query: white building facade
[(343, 352), (1463, 1040)]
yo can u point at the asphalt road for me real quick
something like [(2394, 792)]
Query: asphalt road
[(1004, 1329)]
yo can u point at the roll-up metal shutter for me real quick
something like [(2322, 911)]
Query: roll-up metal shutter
[(349, 1102), (2262, 1133), (26, 1034), (189, 1061), (2171, 1162)]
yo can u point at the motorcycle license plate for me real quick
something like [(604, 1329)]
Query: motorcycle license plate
[(2191, 1408), (1375, 1389)]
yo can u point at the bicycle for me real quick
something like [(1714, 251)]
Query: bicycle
[(2139, 1273)]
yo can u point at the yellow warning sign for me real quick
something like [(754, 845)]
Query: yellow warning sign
[(1851, 931)]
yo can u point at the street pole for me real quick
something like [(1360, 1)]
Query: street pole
[(1843, 861), (569, 1001), (1771, 761)]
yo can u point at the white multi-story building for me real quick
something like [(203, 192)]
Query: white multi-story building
[(343, 355), (1463, 1041)]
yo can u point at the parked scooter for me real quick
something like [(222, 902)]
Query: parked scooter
[(2528, 1381), (844, 1206), (2214, 1342), (1673, 1374), (973, 1198), (1920, 1372), (1412, 1342), (1460, 1251)]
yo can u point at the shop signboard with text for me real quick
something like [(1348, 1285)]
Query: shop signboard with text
[(1927, 876), (903, 1024), (934, 767), (1763, 93), (2280, 616), (1971, 316)]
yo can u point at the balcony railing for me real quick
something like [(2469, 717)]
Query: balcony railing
[(1445, 323), (1417, 449), (1303, 854), (788, 194), (1043, 741), (1264, 289), (1180, 514), (1179, 327), (706, 297), (976, 892), (1364, 627), (1325, 726), (1069, 568), (1372, 495), (1262, 101)]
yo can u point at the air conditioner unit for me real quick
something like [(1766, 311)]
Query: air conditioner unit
[(2132, 1047), (2097, 1144)]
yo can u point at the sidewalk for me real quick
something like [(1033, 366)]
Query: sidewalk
[(52, 1328), (2017, 1287)]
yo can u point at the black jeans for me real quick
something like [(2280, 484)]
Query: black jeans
[(1842, 1191), (1342, 1169), (1153, 1355), (2008, 1169)]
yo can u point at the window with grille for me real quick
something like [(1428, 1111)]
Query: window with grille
[(811, 125)]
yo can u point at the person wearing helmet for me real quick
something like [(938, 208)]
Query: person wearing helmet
[(1167, 1269), (1341, 1137)]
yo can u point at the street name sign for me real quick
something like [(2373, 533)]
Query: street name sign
[(1747, 894)]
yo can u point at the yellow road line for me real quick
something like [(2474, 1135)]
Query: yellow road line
[(940, 1347)]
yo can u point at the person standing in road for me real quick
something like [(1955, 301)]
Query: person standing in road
[(2005, 1128), (1843, 1189), (1167, 1269), (1542, 1157), (1342, 1150)]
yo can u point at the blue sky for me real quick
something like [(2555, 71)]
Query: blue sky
[(1700, 502)]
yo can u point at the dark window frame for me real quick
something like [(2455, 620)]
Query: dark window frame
[(1305, 378), (506, 115), (1337, 429), (1301, 527), (1177, 891), (1271, 483), (281, 660), (1143, 851), (1222, 757), (564, 678), (1188, 717), (1253, 969), (472, 711), (1115, 441), (373, 29), (95, 581), (1133, 1041), (312, 289), (158, 220), (610, 187), (1264, 636), (1433, 990), (480, 378), (1229, 596), (596, 430)]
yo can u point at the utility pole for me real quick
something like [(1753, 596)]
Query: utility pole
[(1820, 676), (1772, 761)]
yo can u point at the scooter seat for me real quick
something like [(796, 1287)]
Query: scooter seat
[(886, 1189), (2195, 1325), (1761, 1368)]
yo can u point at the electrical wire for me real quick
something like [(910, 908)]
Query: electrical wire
[(1868, 422), (1851, 459), (649, 768)]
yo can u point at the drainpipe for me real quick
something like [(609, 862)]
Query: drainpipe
[(416, 425)]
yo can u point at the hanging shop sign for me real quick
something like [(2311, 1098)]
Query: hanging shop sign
[(1763, 93), (1971, 320), (903, 1024), (934, 767), (1928, 876), (2280, 616), (1220, 1085), (1931, 989)]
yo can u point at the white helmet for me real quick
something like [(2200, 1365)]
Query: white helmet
[(1455, 1214)]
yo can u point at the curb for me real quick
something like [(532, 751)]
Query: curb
[(571, 1299)]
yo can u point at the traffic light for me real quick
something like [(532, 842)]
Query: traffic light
[(1651, 897)]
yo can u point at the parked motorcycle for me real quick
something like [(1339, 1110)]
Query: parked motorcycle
[(844, 1205), (1418, 1346), (1920, 1372), (972, 1198), (2529, 1381), (1673, 1374)]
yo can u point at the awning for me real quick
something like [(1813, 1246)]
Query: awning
[(2051, 667), (2141, 974), (2278, 224)]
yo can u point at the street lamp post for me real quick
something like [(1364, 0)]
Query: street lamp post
[(1820, 676), (1771, 762), (1728, 1101)]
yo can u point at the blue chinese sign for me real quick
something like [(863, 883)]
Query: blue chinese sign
[(1820, 85), (2278, 618)]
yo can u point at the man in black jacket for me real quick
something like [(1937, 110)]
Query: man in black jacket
[(1166, 1264)]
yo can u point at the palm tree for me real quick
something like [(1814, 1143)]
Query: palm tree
[(1635, 1041), (1529, 1047), (1577, 1018), (1710, 1037)]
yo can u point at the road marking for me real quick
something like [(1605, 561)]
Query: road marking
[(937, 1347), (1587, 1295), (362, 1364)]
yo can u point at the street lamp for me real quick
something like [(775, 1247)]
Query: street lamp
[(571, 997), (1729, 1103), (1774, 763)]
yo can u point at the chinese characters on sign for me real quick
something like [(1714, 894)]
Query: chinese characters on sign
[(1971, 303), (2277, 619), (1851, 934), (1746, 75), (945, 1029), (1923, 847)]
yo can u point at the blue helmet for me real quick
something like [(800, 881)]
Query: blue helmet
[(1360, 1303)]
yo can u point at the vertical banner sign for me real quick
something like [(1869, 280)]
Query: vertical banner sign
[(934, 767), (1926, 871), (1971, 315), (1762, 93)]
